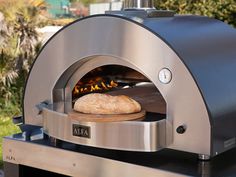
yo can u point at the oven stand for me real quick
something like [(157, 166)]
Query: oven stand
[(14, 170), (36, 155), (11, 170)]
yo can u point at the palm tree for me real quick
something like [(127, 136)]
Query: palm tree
[(38, 3), (27, 36), (7, 72), (18, 38)]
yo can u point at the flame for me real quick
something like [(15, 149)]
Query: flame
[(97, 84)]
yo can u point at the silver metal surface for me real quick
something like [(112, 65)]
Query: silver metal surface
[(125, 135), (138, 4), (203, 157), (73, 163), (204, 168), (125, 41)]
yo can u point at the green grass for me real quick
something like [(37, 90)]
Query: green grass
[(6, 128)]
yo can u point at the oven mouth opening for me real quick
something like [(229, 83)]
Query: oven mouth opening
[(122, 80), (143, 132)]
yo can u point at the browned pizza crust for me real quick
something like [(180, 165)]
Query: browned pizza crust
[(96, 103)]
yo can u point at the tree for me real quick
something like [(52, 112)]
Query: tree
[(19, 19), (38, 3), (7, 72), (22, 18), (224, 10), (84, 2), (73, 1)]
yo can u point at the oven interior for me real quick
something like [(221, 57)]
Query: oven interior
[(122, 80)]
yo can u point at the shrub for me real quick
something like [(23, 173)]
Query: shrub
[(222, 10), (18, 41)]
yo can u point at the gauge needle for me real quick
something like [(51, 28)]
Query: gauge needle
[(164, 75)]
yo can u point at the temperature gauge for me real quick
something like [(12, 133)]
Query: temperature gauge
[(165, 76)]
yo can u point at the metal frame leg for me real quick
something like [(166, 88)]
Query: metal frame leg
[(55, 142), (11, 170), (204, 157)]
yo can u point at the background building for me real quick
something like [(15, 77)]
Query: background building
[(58, 8)]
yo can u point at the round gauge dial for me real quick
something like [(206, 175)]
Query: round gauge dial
[(165, 76)]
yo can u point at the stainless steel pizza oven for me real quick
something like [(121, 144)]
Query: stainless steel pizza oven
[(180, 68)]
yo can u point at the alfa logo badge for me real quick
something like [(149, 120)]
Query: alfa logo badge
[(81, 131)]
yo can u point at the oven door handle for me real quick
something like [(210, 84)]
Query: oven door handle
[(42, 105)]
